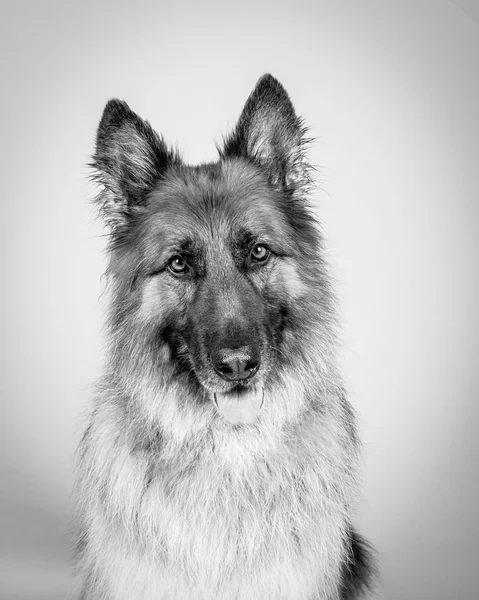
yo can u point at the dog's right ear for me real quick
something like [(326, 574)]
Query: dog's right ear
[(130, 158)]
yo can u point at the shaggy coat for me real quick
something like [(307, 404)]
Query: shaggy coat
[(220, 460)]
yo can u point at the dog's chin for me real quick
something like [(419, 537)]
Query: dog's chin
[(239, 405)]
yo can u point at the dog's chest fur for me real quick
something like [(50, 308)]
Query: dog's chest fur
[(197, 526)]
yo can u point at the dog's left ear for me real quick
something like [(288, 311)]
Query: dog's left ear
[(270, 133)]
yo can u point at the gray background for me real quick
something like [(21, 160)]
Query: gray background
[(391, 91)]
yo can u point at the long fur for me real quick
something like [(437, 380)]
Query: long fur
[(175, 502)]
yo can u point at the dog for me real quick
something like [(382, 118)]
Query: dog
[(221, 456)]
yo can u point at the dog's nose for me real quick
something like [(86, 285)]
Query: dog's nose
[(235, 364)]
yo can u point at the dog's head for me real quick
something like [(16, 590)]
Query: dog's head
[(216, 268)]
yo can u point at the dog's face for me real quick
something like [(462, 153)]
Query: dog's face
[(219, 278), (213, 264)]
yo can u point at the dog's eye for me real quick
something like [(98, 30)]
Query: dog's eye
[(177, 265), (260, 253)]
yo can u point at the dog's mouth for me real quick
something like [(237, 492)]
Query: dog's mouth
[(240, 405)]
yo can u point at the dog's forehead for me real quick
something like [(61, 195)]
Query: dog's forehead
[(218, 199)]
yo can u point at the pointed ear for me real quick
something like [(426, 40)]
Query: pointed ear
[(129, 159), (270, 133)]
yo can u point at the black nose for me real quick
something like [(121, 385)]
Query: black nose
[(235, 364)]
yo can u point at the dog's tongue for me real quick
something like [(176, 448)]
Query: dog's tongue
[(240, 406)]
